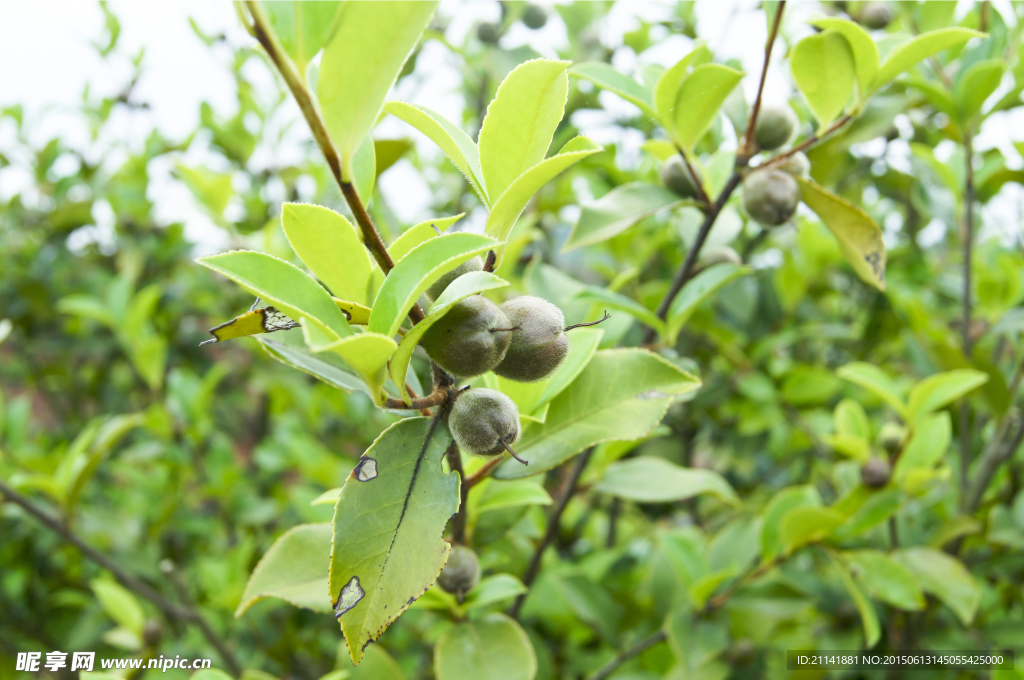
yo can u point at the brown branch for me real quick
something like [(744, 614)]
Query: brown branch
[(697, 181), (624, 656), (437, 398), (968, 249), (747, 145), (484, 472), (807, 143)]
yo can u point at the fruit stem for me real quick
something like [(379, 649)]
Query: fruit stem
[(435, 399), (589, 323), (514, 454), (492, 257)]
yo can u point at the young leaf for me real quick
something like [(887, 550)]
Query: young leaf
[(976, 85), (666, 90), (620, 395), (494, 589), (360, 63), (364, 168), (366, 353), (418, 233), (885, 579), (908, 53), (874, 380), (850, 419), (872, 630), (824, 70), (698, 100), (521, 121), (461, 288), (289, 347), (491, 648), (120, 604), (935, 392), (803, 525), (607, 78), (862, 46), (777, 508), (944, 577), (302, 27), (416, 271), (697, 290), (331, 247), (617, 211), (293, 570), (453, 141), (281, 283), (927, 445), (648, 479), (859, 236), (387, 546)]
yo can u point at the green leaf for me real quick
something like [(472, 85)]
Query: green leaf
[(612, 300), (212, 189), (452, 140), (302, 27), (492, 648), (859, 236), (388, 523), (697, 290), (521, 121), (621, 395), (210, 674), (289, 347), (944, 577), (666, 90), (866, 508), (389, 151), (935, 392), (331, 247), (647, 479), (418, 233), (366, 353), (617, 211), (507, 209), (824, 70), (461, 288), (698, 100), (607, 78), (872, 630), (293, 570), (808, 524), (282, 284), (862, 46), (360, 63), (493, 589), (907, 54), (777, 508), (851, 420), (120, 605), (927, 444), (874, 380), (885, 579), (499, 494), (416, 271), (976, 85), (364, 168)]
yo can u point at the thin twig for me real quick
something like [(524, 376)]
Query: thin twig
[(554, 520), (484, 472), (968, 248), (995, 454), (747, 145), (435, 399), (697, 181), (807, 143), (624, 656)]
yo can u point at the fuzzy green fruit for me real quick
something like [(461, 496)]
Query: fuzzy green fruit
[(474, 265), (770, 196), (539, 345), (875, 15), (891, 437), (876, 472), (797, 165), (461, 572), (676, 176), (535, 16), (775, 126), (470, 339), (484, 422), (488, 32)]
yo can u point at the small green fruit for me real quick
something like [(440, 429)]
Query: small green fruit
[(461, 572), (535, 16), (539, 345), (676, 176), (470, 339), (770, 196), (875, 15), (775, 126), (891, 437), (484, 422), (876, 472), (474, 265), (488, 32), (796, 165)]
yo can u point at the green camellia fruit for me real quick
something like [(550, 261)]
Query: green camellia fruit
[(484, 422), (676, 176), (891, 437), (470, 339), (488, 32), (876, 472), (797, 165), (875, 15), (775, 126), (474, 265), (770, 196), (535, 16), (538, 345), (461, 572)]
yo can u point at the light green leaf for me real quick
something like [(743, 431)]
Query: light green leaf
[(389, 151), (907, 54), (698, 100), (872, 630), (607, 78), (493, 589), (521, 121), (850, 419), (120, 605), (824, 70), (976, 85), (935, 392), (452, 140), (697, 290), (293, 570), (417, 270), (329, 497), (461, 288), (491, 648), (282, 284), (647, 479), (874, 380), (807, 524), (926, 446), (885, 579), (859, 236), (666, 90), (331, 247), (507, 209), (364, 168), (612, 300), (777, 508), (388, 522), (289, 347), (212, 189), (617, 211), (366, 353), (418, 233), (865, 509), (621, 395), (498, 494), (862, 46), (944, 577), (361, 62), (302, 27)]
